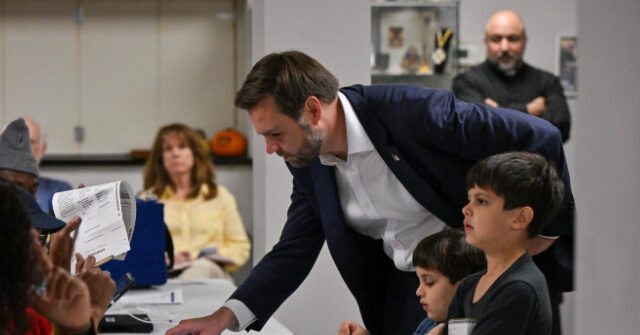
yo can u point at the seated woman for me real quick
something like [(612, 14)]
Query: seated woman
[(202, 217)]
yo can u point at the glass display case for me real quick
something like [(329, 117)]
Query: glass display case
[(414, 42)]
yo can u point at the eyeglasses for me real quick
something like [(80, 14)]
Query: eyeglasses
[(44, 237)]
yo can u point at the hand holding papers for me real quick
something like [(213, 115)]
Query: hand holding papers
[(108, 213)]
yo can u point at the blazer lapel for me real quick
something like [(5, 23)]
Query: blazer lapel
[(324, 183), (347, 247), (356, 256)]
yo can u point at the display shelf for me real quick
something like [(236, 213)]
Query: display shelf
[(414, 42)]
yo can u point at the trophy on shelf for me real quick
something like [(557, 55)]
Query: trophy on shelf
[(439, 55), (411, 61)]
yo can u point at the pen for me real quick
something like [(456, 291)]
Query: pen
[(171, 296)]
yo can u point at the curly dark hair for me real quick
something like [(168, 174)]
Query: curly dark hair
[(16, 261)]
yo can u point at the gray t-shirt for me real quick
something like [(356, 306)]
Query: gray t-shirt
[(516, 303)]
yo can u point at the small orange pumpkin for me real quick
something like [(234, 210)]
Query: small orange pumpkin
[(229, 143)]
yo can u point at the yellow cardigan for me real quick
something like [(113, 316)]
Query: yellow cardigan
[(197, 223)]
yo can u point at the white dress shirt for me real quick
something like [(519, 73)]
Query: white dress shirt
[(374, 201)]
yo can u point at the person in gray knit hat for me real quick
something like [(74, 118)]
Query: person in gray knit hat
[(19, 166), (17, 163)]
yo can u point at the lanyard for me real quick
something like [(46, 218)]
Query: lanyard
[(442, 39)]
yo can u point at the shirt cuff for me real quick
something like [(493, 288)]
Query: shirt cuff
[(243, 314), (549, 237)]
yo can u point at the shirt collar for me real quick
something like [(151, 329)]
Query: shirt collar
[(357, 139), (168, 193)]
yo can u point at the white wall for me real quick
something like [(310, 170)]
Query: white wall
[(122, 71), (336, 32), (607, 179)]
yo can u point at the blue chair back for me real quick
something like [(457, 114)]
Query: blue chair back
[(146, 259)]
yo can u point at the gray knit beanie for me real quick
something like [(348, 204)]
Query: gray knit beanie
[(15, 149)]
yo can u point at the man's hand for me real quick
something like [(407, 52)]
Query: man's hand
[(538, 244), (491, 102), (537, 106), (101, 286), (349, 327), (62, 244), (212, 324), (66, 301)]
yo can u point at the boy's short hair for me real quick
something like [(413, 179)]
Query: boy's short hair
[(522, 179), (448, 252)]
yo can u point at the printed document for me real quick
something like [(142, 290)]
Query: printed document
[(108, 213)]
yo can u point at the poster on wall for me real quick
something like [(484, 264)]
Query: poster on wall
[(567, 64)]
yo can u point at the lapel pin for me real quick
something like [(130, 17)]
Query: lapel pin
[(395, 157)]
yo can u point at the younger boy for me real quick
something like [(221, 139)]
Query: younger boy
[(511, 196), (441, 260)]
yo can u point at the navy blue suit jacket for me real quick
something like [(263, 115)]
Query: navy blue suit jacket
[(429, 140)]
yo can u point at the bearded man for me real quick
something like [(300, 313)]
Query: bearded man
[(505, 80)]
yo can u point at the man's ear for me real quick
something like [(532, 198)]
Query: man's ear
[(523, 216), (313, 107)]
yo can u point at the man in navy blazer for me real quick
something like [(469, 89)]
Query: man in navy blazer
[(426, 139)]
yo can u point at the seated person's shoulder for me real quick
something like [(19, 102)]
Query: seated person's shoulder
[(516, 287), (529, 273), (526, 284), (54, 185), (223, 191)]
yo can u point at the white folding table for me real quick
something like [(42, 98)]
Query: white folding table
[(200, 298)]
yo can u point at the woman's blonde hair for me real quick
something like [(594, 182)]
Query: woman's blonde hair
[(156, 178)]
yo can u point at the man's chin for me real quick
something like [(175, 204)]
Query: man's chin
[(507, 63), (296, 162), (509, 66), (299, 164)]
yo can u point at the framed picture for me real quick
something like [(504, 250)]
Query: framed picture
[(396, 37), (567, 68)]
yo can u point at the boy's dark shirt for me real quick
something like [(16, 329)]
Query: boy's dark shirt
[(516, 303), (515, 92)]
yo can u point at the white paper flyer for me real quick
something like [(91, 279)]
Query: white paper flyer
[(108, 213)]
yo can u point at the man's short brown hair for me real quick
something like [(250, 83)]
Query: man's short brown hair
[(290, 77)]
